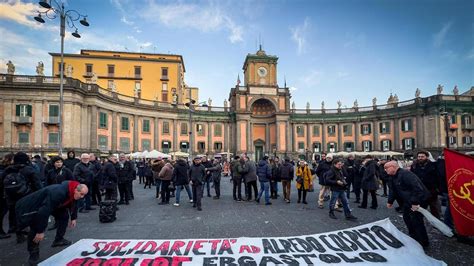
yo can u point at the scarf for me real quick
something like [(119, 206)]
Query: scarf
[(72, 187)]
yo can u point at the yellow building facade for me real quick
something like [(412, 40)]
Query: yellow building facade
[(157, 77)]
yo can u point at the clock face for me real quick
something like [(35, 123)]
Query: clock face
[(262, 72)]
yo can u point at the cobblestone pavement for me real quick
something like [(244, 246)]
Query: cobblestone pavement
[(224, 218)]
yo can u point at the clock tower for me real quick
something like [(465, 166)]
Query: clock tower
[(260, 69)]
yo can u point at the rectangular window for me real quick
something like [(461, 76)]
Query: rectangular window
[(146, 126), (201, 146), (164, 73), (23, 137), (367, 145), (200, 129), (165, 146), (164, 92), (315, 131), (53, 110), (146, 145), (452, 119), (89, 70), (184, 128), (110, 84), (386, 145), (466, 120), (317, 147), (452, 140), (217, 146), (467, 140), (332, 147), (110, 70), (384, 128), (166, 127), (300, 131), (301, 145), (348, 146), (407, 125), (218, 130), (331, 130), (53, 137), (347, 129), (365, 129), (103, 142), (184, 146), (124, 144), (103, 120), (124, 125), (408, 144), (24, 110), (138, 72)]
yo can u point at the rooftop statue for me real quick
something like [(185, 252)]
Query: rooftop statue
[(40, 69), (10, 68)]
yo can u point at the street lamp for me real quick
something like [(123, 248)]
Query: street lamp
[(191, 105), (53, 10)]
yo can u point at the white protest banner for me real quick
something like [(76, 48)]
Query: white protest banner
[(369, 244)]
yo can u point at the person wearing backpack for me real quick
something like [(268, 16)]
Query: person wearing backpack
[(19, 180), (6, 161)]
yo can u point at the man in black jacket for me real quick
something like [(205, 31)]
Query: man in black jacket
[(236, 179), (369, 182), (95, 168), (35, 209), (83, 174), (21, 165), (110, 178), (71, 160), (407, 187), (428, 174), (350, 168), (181, 179), (207, 181), (323, 167), (124, 174), (197, 173), (336, 181), (287, 173)]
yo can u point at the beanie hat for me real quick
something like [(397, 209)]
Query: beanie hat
[(21, 158), (56, 158)]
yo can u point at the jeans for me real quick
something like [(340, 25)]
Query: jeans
[(178, 192), (264, 186), (165, 191), (341, 195), (158, 186), (274, 188), (207, 182)]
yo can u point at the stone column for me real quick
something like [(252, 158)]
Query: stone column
[(308, 138), (356, 136), (339, 137), (175, 135), (292, 137), (249, 137), (267, 138), (38, 123), (396, 131), (420, 141), (209, 137), (226, 137), (135, 133), (155, 134), (8, 108), (375, 128), (277, 135), (114, 131), (94, 125), (323, 138)]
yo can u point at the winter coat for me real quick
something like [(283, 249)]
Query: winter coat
[(334, 175), (286, 171), (406, 187), (305, 173), (251, 174), (109, 175), (351, 170), (125, 172), (57, 176), (82, 173), (443, 183), (156, 168), (234, 167), (276, 175), (369, 177), (39, 166), (181, 173), (215, 171), (95, 167), (32, 178), (197, 173), (428, 174), (264, 171), (34, 210), (166, 172), (323, 167), (71, 161), (207, 164)]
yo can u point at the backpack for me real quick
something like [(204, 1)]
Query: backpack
[(107, 211), (15, 185)]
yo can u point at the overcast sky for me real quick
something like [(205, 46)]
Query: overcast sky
[(328, 50)]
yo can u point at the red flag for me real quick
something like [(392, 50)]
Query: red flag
[(460, 178)]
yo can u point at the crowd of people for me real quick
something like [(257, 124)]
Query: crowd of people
[(77, 184)]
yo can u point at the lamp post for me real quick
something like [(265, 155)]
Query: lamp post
[(53, 10), (191, 104), (445, 114)]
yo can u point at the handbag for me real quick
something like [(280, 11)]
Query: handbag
[(299, 180)]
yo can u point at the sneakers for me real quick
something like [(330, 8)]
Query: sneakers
[(176, 204), (351, 217), (191, 201), (61, 242), (332, 215)]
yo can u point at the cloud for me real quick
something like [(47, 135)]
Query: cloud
[(299, 35), (205, 18), (124, 20), (19, 12), (311, 79), (440, 37)]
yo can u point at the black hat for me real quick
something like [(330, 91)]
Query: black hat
[(56, 158), (21, 158)]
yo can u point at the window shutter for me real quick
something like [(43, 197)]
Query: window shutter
[(29, 110), (410, 125), (387, 127), (18, 110)]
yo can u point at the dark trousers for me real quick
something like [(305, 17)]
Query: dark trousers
[(61, 218), (130, 190), (217, 187), (302, 191), (165, 191), (273, 189), (252, 185), (416, 225), (96, 197), (237, 188), (11, 215), (365, 196), (350, 181), (111, 193), (123, 191), (208, 185), (434, 204), (148, 181), (385, 186), (158, 186), (197, 195), (3, 212)]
